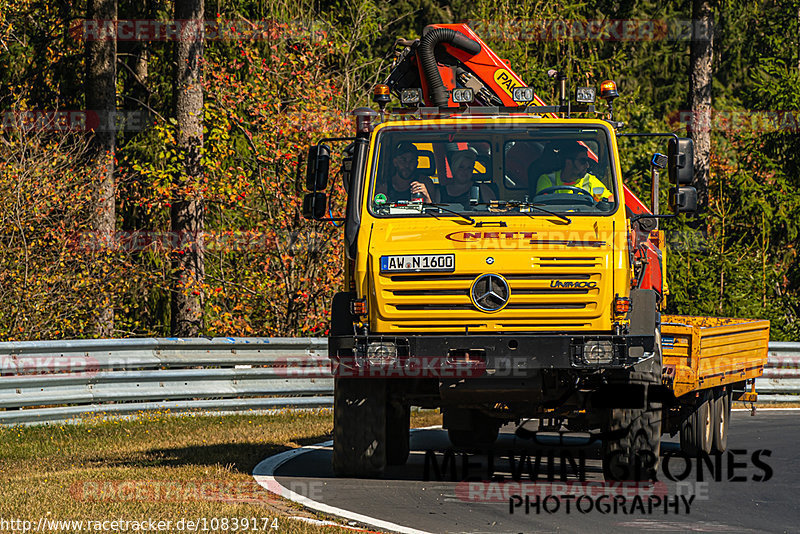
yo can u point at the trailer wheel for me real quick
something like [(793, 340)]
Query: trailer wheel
[(398, 427), (359, 427), (697, 429), (722, 416), (633, 443)]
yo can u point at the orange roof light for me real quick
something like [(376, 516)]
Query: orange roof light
[(381, 95), (608, 90)]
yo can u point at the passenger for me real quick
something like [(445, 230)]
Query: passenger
[(405, 182), (574, 173), (457, 190)]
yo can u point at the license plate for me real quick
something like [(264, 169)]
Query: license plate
[(418, 262)]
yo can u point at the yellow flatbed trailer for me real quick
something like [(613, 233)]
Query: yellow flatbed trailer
[(708, 352)]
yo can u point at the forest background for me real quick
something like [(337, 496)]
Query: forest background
[(287, 73)]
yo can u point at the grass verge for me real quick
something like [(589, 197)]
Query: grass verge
[(158, 467)]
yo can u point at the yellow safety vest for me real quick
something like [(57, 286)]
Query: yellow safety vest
[(588, 183)]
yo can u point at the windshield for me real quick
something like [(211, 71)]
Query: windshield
[(493, 170)]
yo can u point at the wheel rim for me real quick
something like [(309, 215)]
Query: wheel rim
[(708, 425)]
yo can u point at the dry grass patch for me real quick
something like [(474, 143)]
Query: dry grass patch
[(158, 466)]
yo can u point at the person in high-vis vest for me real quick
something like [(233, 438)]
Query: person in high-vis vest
[(574, 173)]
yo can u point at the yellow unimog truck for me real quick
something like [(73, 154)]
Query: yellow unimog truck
[(498, 268)]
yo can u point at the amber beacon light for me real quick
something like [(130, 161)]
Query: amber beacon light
[(608, 90), (381, 96)]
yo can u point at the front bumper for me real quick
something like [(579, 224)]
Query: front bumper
[(491, 355)]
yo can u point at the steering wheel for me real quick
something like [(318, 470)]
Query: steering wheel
[(578, 190)]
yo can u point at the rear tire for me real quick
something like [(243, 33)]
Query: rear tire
[(482, 433), (359, 427), (722, 415), (697, 428), (482, 438), (398, 428)]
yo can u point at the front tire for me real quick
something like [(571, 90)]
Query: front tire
[(633, 443), (359, 427)]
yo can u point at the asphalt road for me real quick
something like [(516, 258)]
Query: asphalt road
[(766, 499)]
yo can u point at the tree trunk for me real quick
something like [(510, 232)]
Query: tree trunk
[(101, 98), (187, 213), (700, 81)]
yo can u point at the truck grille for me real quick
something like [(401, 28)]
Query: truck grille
[(538, 298)]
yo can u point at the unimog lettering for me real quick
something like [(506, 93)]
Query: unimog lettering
[(573, 285)]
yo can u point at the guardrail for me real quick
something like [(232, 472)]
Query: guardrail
[(123, 376), (781, 379), (45, 381)]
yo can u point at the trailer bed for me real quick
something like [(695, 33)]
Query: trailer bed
[(704, 352)]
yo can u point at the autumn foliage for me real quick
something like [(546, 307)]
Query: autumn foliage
[(268, 271), (288, 79)]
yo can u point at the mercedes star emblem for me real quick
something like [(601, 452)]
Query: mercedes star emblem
[(490, 292), (490, 260)]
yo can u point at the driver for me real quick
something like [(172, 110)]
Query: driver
[(574, 173)]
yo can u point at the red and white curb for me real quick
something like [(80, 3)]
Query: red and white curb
[(264, 475)]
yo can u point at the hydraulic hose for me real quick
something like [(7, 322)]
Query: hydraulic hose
[(436, 87)]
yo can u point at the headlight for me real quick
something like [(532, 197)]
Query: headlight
[(598, 352), (585, 95), (380, 353), (463, 95), (522, 95), (411, 96)]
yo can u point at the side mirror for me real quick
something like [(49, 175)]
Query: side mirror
[(681, 161), (314, 205), (683, 199), (319, 160)]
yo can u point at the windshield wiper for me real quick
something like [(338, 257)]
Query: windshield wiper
[(434, 205), (554, 214), (509, 204)]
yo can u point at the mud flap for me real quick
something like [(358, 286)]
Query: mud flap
[(644, 312)]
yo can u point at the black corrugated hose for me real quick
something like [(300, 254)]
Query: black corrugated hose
[(436, 87)]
